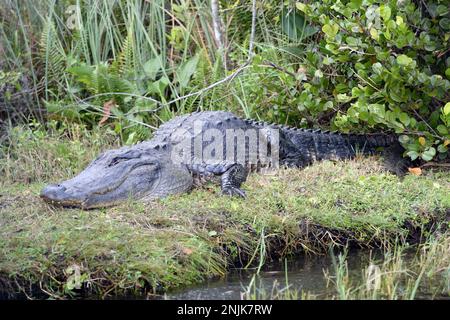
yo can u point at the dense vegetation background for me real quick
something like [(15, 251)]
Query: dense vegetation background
[(127, 66)]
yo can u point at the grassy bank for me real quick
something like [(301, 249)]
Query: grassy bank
[(185, 239)]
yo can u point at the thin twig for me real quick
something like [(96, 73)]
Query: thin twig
[(275, 66), (218, 34), (435, 164), (421, 134), (226, 79), (366, 81), (119, 94), (353, 50), (426, 7), (429, 127)]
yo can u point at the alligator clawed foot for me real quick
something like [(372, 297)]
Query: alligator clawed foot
[(234, 192)]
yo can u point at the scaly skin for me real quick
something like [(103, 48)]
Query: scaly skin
[(149, 170)]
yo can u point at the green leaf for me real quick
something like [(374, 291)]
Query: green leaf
[(330, 30), (429, 154), (83, 73), (341, 88), (186, 70), (404, 60), (377, 68), (413, 155), (403, 139), (442, 10), (328, 105), (442, 148), (295, 25), (352, 41), (130, 139), (442, 129), (354, 4), (364, 115), (327, 61), (158, 86), (404, 118), (444, 23), (151, 67), (385, 12), (397, 93), (387, 34), (374, 33), (343, 98), (377, 109), (318, 73), (447, 108), (301, 6)]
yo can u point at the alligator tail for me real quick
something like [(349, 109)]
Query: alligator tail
[(385, 144), (316, 145), (369, 143)]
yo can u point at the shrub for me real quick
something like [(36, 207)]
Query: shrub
[(375, 65)]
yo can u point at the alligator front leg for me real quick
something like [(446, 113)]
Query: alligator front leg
[(232, 180)]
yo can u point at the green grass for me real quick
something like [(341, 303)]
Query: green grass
[(399, 271), (404, 272), (185, 239)]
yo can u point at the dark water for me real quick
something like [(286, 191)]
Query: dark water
[(304, 273)]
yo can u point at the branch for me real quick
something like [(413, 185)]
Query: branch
[(252, 34), (426, 123), (218, 35), (280, 68), (435, 164)]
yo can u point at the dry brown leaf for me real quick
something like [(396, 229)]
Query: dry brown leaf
[(187, 251), (415, 171), (107, 106)]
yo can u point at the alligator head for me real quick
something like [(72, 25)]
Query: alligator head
[(118, 175)]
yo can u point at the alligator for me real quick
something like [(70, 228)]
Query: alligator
[(230, 147)]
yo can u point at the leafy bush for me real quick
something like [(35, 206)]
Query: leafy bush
[(382, 65), (391, 58), (375, 66)]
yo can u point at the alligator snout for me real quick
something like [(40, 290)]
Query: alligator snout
[(54, 193)]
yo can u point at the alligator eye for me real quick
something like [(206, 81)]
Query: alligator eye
[(131, 154), (116, 160)]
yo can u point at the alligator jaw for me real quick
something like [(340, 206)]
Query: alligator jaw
[(56, 194), (60, 195)]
